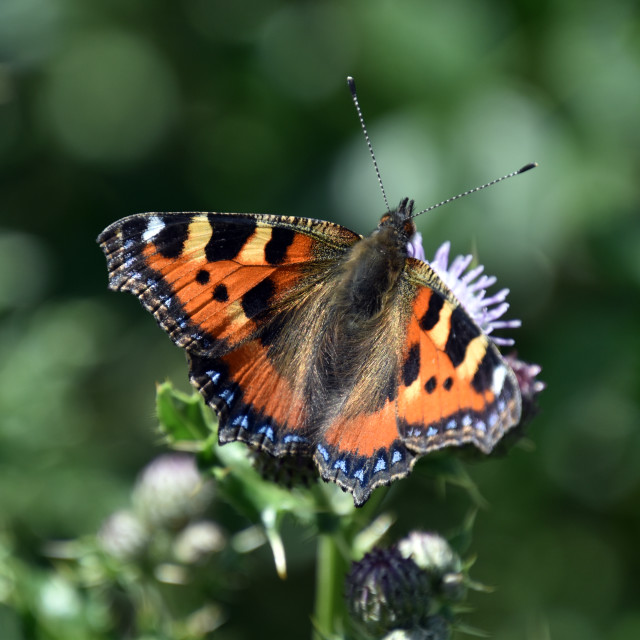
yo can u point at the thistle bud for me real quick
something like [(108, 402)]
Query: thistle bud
[(197, 541), (122, 535), (170, 491), (435, 628), (430, 552), (385, 591), (433, 554)]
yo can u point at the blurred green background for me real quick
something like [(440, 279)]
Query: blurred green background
[(112, 108)]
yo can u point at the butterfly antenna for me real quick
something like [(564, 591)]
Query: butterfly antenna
[(531, 165), (354, 95)]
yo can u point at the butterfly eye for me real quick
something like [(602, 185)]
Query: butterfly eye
[(409, 228)]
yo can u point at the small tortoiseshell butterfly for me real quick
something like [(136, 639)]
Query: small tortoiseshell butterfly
[(309, 339)]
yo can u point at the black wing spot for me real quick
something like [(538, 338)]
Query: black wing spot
[(171, 238), (391, 391), (448, 383), (432, 314), (430, 384), (220, 293), (276, 249), (462, 332), (228, 237), (202, 277), (257, 299), (411, 367)]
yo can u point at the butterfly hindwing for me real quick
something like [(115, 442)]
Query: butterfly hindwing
[(364, 452), (359, 446), (254, 403)]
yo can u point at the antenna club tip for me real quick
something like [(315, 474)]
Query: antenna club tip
[(527, 167), (352, 84)]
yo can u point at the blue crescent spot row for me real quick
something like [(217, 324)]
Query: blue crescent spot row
[(157, 296), (464, 420), (242, 418), (362, 468)]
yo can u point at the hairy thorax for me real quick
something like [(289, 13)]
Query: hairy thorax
[(369, 275)]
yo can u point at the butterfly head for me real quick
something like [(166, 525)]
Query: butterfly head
[(400, 219), (400, 224)]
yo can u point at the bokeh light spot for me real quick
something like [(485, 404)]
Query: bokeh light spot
[(24, 269), (29, 30), (308, 49), (408, 161), (110, 97)]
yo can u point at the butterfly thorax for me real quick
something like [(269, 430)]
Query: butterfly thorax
[(371, 269)]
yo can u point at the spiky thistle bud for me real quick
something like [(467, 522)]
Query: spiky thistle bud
[(123, 535), (432, 553), (170, 491), (385, 591)]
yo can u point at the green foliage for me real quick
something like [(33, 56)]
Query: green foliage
[(162, 567)]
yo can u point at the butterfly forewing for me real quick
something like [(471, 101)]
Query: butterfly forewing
[(208, 277)]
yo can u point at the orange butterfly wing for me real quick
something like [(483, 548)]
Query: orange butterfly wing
[(207, 277), (452, 388), (220, 285), (455, 387)]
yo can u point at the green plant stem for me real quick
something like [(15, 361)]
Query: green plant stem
[(330, 571)]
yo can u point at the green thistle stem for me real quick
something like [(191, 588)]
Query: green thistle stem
[(330, 572)]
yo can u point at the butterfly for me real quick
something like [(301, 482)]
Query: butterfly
[(308, 339)]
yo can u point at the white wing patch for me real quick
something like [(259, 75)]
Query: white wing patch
[(499, 375), (154, 226)]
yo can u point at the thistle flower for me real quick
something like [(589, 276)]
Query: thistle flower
[(470, 289), (170, 491), (526, 374), (385, 591), (530, 387), (433, 554), (415, 248), (122, 535), (430, 552)]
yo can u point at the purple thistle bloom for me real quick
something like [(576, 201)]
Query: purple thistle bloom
[(123, 535), (530, 387), (415, 248), (471, 290)]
